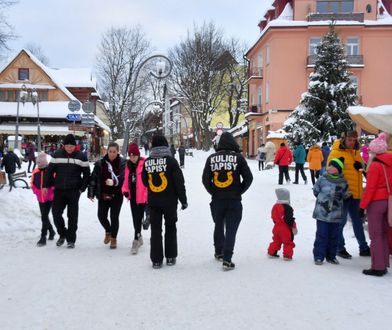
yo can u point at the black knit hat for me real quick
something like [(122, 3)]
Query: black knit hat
[(159, 141), (70, 140)]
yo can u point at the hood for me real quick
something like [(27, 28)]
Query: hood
[(300, 147), (385, 159), (159, 152), (227, 142), (315, 146), (339, 145)]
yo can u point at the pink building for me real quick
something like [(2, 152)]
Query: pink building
[(283, 57)]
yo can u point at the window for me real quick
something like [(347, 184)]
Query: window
[(260, 59), (43, 95), (259, 96), (23, 74), (335, 6), (267, 92), (354, 80), (267, 55), (352, 46), (313, 43), (7, 96)]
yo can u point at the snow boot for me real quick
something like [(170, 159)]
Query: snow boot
[(333, 261), (373, 272), (42, 241), (344, 254), (318, 262), (285, 258), (273, 256), (70, 245), (52, 234), (113, 243), (228, 265), (157, 265), (365, 253), (218, 257), (136, 244), (107, 238), (170, 261), (60, 241)]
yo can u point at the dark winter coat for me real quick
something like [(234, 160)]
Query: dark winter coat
[(299, 154), (68, 169), (331, 191), (224, 169), (181, 151), (31, 152), (10, 161), (163, 178), (325, 150), (96, 182)]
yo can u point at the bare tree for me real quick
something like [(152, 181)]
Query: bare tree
[(6, 30), (198, 77), (38, 52), (121, 52)]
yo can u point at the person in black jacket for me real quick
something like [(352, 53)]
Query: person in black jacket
[(165, 181), (222, 179), (72, 170), (10, 161), (181, 153), (105, 184)]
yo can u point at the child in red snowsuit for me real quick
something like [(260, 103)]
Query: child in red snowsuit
[(285, 227)]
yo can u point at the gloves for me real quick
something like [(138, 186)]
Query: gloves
[(361, 213), (295, 231), (184, 206), (126, 195), (358, 165), (109, 182)]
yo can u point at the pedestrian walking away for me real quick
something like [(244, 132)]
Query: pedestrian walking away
[(226, 177), (105, 184), (181, 153), (375, 200), (315, 159), (261, 156), (44, 200), (136, 192), (348, 148), (325, 150), (30, 153), (299, 156), (283, 159), (71, 171), (331, 190), (285, 227), (165, 181)]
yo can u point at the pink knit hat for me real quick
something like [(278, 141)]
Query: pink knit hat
[(379, 144), (42, 160)]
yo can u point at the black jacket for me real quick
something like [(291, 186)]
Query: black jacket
[(94, 185), (10, 160), (163, 178), (67, 169), (181, 151), (224, 169)]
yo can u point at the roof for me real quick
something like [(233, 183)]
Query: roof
[(47, 109), (74, 77), (373, 120), (32, 129)]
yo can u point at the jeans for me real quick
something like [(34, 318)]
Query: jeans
[(351, 207), (114, 206), (226, 214)]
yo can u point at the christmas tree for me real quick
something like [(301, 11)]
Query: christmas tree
[(322, 112)]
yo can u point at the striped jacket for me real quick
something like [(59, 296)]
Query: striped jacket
[(71, 171)]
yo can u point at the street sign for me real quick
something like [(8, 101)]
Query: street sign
[(88, 107), (88, 119), (73, 117), (73, 105), (81, 128)]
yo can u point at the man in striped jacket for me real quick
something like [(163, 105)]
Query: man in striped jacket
[(71, 171)]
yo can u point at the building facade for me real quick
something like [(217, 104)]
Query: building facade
[(284, 55)]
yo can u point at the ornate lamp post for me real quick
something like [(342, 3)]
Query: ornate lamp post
[(22, 97), (163, 70), (35, 101)]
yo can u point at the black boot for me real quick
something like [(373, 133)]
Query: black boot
[(373, 272), (60, 241), (52, 233), (42, 241)]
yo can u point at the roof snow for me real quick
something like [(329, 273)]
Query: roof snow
[(74, 77), (287, 13)]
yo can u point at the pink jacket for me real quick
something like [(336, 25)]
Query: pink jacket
[(36, 183), (141, 189)]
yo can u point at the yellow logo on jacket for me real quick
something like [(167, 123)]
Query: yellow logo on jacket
[(223, 184), (161, 187)]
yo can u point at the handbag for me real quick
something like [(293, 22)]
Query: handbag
[(389, 197)]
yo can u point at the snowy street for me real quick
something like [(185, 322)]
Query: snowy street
[(93, 287)]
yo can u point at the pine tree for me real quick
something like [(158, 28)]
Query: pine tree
[(322, 112)]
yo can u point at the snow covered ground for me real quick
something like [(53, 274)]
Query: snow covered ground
[(93, 287)]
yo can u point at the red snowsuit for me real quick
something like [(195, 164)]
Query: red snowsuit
[(282, 233)]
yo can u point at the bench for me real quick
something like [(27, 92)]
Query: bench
[(18, 180)]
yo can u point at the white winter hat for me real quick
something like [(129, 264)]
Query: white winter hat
[(283, 195)]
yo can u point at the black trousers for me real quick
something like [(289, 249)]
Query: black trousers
[(227, 214), (182, 160), (28, 168), (170, 215), (137, 217), (114, 206), (66, 199), (283, 170), (261, 164), (299, 168), (46, 225), (314, 175)]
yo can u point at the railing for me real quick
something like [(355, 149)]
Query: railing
[(358, 17), (255, 72), (351, 59)]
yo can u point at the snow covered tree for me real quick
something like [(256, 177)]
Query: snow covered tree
[(322, 111)]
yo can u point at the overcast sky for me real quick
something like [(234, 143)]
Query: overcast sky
[(70, 30)]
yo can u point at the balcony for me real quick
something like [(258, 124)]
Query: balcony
[(255, 108), (357, 17), (255, 73), (352, 60)]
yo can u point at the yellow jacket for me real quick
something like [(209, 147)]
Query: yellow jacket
[(353, 177), (315, 158)]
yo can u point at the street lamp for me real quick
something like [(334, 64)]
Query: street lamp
[(22, 97), (163, 70), (35, 101)]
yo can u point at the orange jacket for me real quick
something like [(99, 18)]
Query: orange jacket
[(315, 158)]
